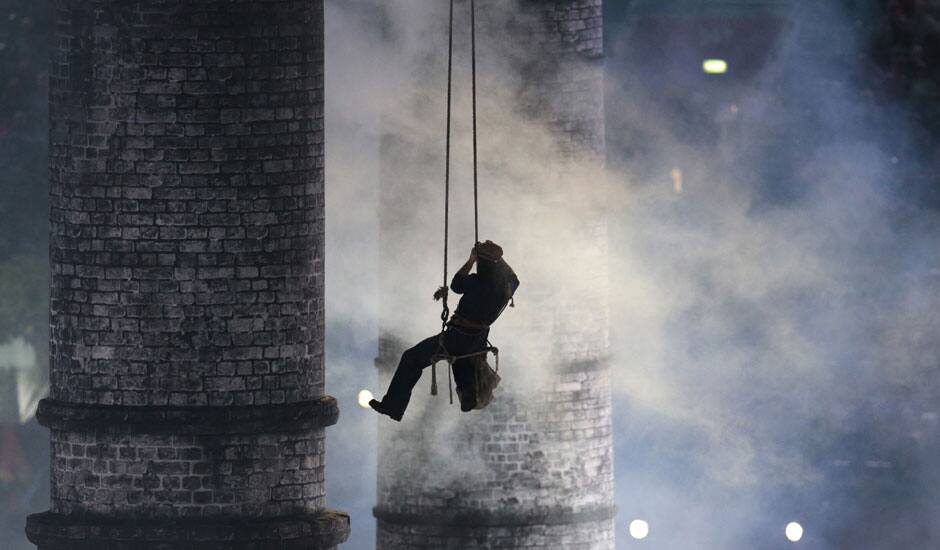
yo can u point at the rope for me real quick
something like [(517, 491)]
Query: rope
[(445, 312), (473, 76)]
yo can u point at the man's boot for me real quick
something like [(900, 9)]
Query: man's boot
[(383, 408)]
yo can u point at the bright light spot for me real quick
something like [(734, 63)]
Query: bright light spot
[(676, 175), (794, 531), (733, 109), (639, 529), (364, 397), (715, 66)]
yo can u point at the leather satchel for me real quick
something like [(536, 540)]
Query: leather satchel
[(485, 381)]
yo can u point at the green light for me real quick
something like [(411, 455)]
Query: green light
[(715, 66)]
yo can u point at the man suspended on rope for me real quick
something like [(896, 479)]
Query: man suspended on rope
[(485, 295)]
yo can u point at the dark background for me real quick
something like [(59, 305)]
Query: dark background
[(874, 477)]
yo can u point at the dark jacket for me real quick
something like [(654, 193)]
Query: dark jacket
[(484, 297)]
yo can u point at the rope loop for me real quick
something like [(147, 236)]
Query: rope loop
[(445, 312)]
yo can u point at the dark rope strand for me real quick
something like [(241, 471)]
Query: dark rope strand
[(473, 76), (450, 56)]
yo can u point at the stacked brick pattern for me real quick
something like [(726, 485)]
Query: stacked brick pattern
[(534, 469), (187, 236), (187, 203), (537, 535), (188, 476)]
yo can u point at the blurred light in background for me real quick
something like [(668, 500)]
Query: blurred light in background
[(794, 531), (676, 175), (364, 397), (639, 529), (715, 66)]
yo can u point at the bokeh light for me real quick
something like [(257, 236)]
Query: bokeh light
[(364, 397), (794, 531), (639, 529), (715, 66)]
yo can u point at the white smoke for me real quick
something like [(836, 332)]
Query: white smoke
[(753, 321)]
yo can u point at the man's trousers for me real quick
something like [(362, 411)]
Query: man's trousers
[(457, 341)]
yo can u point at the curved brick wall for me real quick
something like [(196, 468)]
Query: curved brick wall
[(588, 534), (184, 475), (534, 469), (187, 376), (187, 203)]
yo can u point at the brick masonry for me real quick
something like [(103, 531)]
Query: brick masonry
[(186, 245), (534, 469), (187, 203), (591, 534), (149, 475)]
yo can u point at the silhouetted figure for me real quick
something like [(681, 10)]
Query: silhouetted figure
[(485, 295)]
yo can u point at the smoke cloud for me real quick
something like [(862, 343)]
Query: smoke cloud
[(772, 287)]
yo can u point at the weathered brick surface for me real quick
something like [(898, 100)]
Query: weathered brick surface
[(568, 27), (187, 274), (535, 468), (594, 535), (187, 202), (551, 450), (188, 476)]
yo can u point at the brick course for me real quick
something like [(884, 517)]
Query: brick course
[(150, 475), (589, 536)]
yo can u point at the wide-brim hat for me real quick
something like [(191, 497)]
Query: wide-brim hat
[(488, 250)]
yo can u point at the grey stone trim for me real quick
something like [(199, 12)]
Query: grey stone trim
[(51, 531), (496, 518), (289, 417)]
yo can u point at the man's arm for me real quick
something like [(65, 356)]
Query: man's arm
[(459, 282)]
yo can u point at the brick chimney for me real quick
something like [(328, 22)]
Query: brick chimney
[(534, 469), (187, 406)]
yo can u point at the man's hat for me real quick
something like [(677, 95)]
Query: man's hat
[(488, 250)]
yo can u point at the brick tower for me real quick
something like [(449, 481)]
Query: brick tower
[(187, 405), (534, 469)]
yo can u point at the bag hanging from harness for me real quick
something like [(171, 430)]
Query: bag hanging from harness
[(485, 380)]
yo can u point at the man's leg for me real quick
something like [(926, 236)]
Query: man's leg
[(407, 375)]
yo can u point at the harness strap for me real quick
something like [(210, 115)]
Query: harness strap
[(461, 322), (444, 355)]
